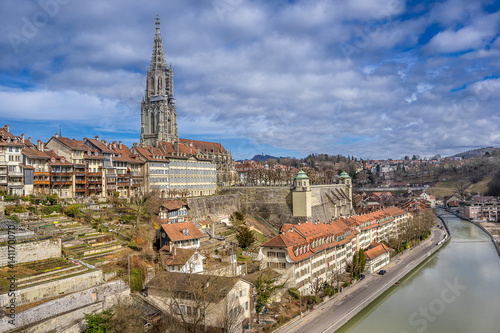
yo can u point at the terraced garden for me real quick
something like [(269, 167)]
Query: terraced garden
[(31, 273)]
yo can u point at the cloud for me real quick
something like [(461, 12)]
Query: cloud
[(271, 75)]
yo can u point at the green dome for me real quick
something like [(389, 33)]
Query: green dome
[(344, 175), (301, 175)]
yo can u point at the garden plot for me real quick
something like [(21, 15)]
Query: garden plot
[(35, 272)]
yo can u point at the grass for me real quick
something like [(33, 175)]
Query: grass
[(260, 237), (448, 187)]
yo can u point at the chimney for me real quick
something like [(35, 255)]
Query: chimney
[(151, 149), (22, 137), (97, 137), (134, 144), (56, 135), (120, 144), (6, 128), (170, 247), (176, 146), (39, 145), (29, 138)]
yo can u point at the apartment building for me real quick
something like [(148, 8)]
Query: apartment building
[(313, 252)]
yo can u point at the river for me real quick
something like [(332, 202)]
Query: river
[(455, 290)]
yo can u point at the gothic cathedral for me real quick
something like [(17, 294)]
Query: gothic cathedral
[(158, 115)]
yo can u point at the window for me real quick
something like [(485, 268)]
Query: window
[(271, 254), (281, 254)]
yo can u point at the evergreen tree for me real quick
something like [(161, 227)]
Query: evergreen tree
[(245, 237)]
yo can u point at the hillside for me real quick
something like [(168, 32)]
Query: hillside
[(479, 152), (263, 158), (448, 187)]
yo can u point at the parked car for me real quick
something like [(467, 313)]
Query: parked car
[(361, 277), (382, 272)]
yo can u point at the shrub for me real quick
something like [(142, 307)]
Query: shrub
[(329, 291), (72, 211), (294, 292), (136, 280)]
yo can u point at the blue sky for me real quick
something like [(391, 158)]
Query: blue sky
[(374, 79)]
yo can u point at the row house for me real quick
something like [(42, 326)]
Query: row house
[(129, 170), (177, 169), (11, 168), (312, 252)]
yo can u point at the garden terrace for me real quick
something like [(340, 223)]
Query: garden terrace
[(28, 274)]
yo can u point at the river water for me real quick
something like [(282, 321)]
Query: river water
[(455, 290)]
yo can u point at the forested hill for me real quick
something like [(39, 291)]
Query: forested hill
[(479, 152)]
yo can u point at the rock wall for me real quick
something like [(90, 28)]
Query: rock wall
[(96, 298), (213, 207), (50, 289), (273, 204), (32, 251), (326, 205)]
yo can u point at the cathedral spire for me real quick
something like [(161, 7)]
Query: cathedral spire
[(158, 57)]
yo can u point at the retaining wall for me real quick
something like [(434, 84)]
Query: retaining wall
[(105, 294), (50, 289), (32, 251), (213, 206)]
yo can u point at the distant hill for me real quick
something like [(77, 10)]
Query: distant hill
[(264, 158), (478, 152)]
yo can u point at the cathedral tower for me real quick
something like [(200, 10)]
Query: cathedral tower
[(158, 115)]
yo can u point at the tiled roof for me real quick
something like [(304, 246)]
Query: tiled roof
[(324, 235), (71, 143), (175, 231), (376, 251), (173, 204), (181, 256), (100, 145), (35, 153), (205, 146)]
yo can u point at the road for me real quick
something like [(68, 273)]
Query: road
[(334, 313)]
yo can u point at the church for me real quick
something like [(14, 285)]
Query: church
[(159, 116)]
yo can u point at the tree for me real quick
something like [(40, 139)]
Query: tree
[(265, 286), (245, 237), (461, 186), (494, 185), (362, 260), (99, 322)]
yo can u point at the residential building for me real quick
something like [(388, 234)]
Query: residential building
[(173, 211), (181, 260), (377, 256), (180, 235), (313, 252), (212, 301), (129, 170)]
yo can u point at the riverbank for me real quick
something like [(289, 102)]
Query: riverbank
[(332, 314), (484, 226)]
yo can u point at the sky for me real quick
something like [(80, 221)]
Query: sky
[(373, 79)]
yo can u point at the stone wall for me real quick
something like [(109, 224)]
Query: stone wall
[(53, 288), (213, 207), (104, 296), (325, 203), (32, 251), (273, 204)]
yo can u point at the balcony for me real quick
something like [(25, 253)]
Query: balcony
[(41, 173), (41, 182), (79, 190), (80, 182), (95, 182), (95, 174), (123, 184), (55, 173), (61, 183)]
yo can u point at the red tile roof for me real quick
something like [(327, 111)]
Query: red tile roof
[(175, 231)]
